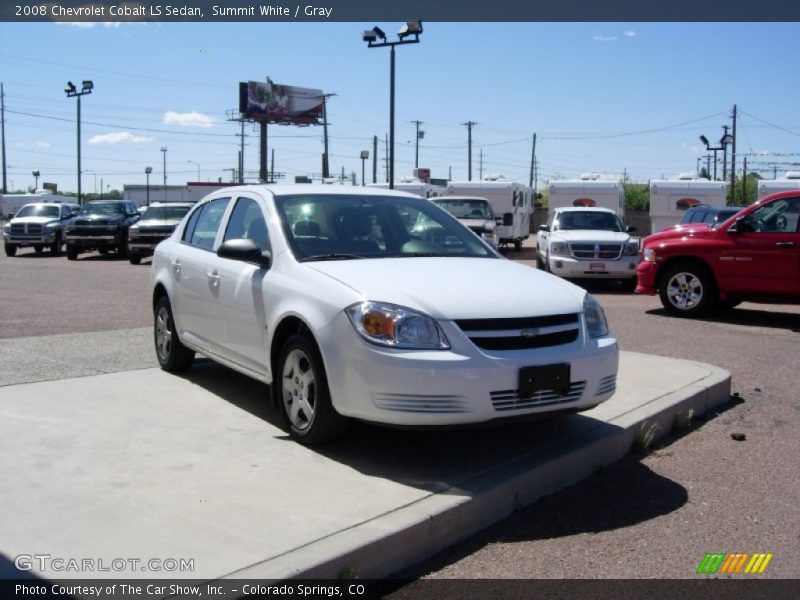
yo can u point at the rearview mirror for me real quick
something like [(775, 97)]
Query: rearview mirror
[(245, 250), (543, 227)]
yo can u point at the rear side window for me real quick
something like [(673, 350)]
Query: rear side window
[(201, 230)]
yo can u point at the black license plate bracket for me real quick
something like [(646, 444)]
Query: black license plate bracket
[(554, 378)]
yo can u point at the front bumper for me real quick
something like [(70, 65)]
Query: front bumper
[(83, 240), (620, 268), (26, 239), (647, 276), (464, 385)]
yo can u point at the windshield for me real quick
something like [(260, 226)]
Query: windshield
[(467, 209), (38, 210), (589, 220), (334, 227), (110, 209), (165, 213)]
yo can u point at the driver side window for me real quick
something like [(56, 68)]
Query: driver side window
[(779, 216)]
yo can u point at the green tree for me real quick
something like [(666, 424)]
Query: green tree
[(637, 196), (745, 193)]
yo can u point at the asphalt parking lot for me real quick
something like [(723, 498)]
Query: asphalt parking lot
[(652, 515)]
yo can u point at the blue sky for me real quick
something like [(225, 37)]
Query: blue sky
[(602, 97)]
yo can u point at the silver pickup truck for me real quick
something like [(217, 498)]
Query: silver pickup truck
[(38, 225)]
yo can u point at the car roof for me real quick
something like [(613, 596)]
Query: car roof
[(314, 189), (454, 197), (189, 204), (597, 209)]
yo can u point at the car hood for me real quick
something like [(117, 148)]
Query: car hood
[(35, 220), (457, 288), (97, 219), (593, 235), (158, 223), (678, 231)]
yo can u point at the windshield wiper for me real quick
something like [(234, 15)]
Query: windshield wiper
[(330, 256)]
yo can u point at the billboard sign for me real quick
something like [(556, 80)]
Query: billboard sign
[(277, 103)]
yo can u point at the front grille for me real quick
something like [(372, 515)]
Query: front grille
[(420, 404), (149, 238), (607, 385), (22, 228), (83, 231), (521, 333), (596, 251), (505, 400)]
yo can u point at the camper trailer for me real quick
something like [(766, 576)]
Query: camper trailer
[(413, 186), (512, 205), (787, 183), (588, 191), (670, 198), (11, 203)]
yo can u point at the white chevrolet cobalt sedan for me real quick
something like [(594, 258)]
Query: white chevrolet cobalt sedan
[(357, 303)]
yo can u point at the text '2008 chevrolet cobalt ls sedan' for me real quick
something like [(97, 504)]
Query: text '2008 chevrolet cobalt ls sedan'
[(368, 304)]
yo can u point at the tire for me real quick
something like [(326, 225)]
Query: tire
[(122, 249), (547, 263), (38, 248), (72, 252), (539, 261), (55, 247), (172, 355), (728, 304), (301, 388), (134, 258), (687, 290), (103, 250), (11, 249), (629, 284), (517, 245)]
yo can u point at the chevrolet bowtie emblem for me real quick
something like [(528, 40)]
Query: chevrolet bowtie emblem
[(529, 333)]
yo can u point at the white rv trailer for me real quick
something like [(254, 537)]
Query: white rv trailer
[(670, 198), (787, 183), (588, 191), (413, 186), (512, 204)]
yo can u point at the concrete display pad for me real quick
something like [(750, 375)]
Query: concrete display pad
[(146, 465)]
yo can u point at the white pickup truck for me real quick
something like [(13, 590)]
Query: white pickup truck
[(584, 242)]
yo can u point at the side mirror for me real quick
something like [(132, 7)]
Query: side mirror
[(508, 219), (630, 229), (544, 228), (245, 250)]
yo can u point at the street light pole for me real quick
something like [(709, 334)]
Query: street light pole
[(371, 36), (164, 150), (35, 180), (147, 171), (198, 168), (72, 92), (364, 157)]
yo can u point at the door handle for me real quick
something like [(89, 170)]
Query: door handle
[(213, 278), (785, 244), (176, 267)]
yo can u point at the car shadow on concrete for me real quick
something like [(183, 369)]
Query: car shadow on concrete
[(451, 461), (744, 316), (623, 494)]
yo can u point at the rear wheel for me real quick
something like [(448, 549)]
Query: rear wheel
[(55, 247), (302, 392), (517, 245), (11, 249), (172, 355), (687, 290), (72, 252)]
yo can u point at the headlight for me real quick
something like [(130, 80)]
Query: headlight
[(596, 323), (649, 255), (631, 249), (396, 326), (559, 249), (133, 232), (7, 228), (52, 225), (71, 227)]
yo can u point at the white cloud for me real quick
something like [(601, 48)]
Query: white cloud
[(605, 38), (120, 138), (629, 34), (34, 145), (192, 119)]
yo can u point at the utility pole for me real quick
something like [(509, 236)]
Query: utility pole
[(744, 180), (263, 176), (164, 152), (3, 133), (470, 125), (387, 158), (325, 164), (450, 173), (733, 160), (241, 156), (272, 168), (725, 155), (533, 161), (480, 165), (374, 159), (416, 143)]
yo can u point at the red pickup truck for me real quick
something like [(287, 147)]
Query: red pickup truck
[(753, 255)]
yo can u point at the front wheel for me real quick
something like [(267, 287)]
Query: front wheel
[(134, 258), (72, 252), (55, 247), (302, 392), (172, 355), (11, 249), (687, 290)]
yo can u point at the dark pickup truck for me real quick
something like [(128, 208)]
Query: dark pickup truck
[(102, 225)]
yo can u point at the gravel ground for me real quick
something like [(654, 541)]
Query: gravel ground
[(652, 515)]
